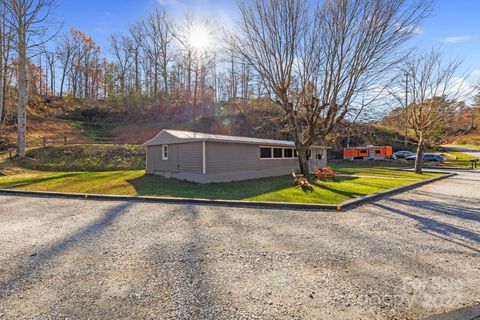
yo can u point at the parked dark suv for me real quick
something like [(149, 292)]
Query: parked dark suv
[(429, 157), (402, 154)]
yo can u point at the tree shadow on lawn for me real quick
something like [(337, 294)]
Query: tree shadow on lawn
[(436, 228), (28, 182), (348, 194), (151, 185)]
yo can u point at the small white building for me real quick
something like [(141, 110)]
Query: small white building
[(205, 158)]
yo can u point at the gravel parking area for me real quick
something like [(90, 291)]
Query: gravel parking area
[(408, 256)]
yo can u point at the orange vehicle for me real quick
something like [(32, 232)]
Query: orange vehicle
[(367, 153)]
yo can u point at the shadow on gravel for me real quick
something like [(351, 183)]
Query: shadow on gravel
[(44, 256), (188, 273), (455, 211), (456, 198), (435, 228)]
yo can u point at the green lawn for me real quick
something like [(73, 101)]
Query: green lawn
[(458, 159), (472, 146), (135, 182)]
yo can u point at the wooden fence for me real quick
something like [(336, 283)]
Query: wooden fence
[(64, 140)]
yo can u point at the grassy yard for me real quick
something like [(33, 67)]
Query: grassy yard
[(135, 182), (472, 146), (458, 159)]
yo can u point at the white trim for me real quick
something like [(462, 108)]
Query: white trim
[(293, 153), (163, 152), (260, 152), (204, 157)]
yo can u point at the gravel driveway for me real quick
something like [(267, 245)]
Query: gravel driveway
[(406, 257)]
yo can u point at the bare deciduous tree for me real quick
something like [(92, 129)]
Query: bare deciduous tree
[(29, 20), (434, 86), (317, 64), (3, 35), (64, 54)]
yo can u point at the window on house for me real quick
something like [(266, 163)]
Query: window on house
[(165, 152), (309, 154), (295, 153), (277, 152), (265, 153), (288, 153)]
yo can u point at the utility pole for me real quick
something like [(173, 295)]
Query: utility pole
[(406, 110)]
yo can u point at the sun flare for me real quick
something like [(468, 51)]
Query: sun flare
[(200, 38)]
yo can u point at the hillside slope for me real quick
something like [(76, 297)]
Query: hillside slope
[(39, 127), (470, 138), (43, 121)]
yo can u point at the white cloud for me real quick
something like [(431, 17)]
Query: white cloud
[(412, 29), (456, 39), (167, 2), (101, 30), (476, 73), (417, 29)]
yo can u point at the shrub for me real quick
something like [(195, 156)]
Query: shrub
[(86, 158)]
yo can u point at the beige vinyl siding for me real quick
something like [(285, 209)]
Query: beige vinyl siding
[(190, 157), (279, 163), (238, 157), (230, 157), (155, 162)]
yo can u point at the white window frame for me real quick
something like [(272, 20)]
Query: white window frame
[(293, 153), (273, 156), (163, 151), (260, 152), (283, 153)]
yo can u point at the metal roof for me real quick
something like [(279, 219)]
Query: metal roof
[(176, 136)]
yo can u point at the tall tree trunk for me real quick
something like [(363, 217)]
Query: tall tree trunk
[(302, 152), (303, 162), (137, 72), (165, 77), (189, 72), (22, 94), (62, 81), (155, 82), (195, 89), (1, 65), (419, 158), (3, 88), (52, 80)]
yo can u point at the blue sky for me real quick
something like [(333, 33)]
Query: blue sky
[(454, 26)]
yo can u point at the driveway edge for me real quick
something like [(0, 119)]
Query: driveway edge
[(467, 313), (375, 196), (230, 203)]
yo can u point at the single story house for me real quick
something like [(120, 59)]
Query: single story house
[(205, 158)]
